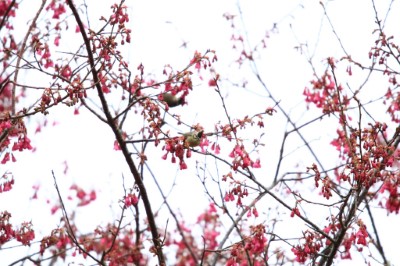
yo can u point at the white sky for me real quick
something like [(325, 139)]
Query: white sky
[(87, 144)]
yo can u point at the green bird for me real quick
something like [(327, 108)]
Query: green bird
[(193, 138), (172, 100)]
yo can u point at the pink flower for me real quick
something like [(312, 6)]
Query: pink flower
[(182, 165), (256, 164)]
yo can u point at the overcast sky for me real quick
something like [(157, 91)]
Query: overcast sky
[(159, 29)]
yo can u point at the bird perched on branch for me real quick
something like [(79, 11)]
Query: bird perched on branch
[(172, 100), (193, 138)]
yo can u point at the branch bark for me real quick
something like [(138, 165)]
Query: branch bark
[(146, 201)]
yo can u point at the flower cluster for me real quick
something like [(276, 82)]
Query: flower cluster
[(242, 159), (309, 248), (391, 186), (326, 95), (25, 234), (120, 244), (83, 197), (58, 239), (176, 147), (130, 199), (238, 191), (254, 245), (7, 183)]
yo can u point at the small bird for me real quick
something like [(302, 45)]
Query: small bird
[(193, 138), (172, 100)]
